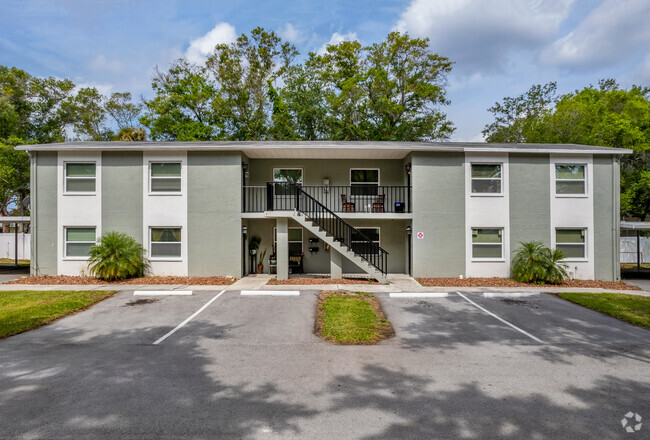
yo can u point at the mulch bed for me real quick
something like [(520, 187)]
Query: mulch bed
[(508, 282), (385, 332), (64, 279), (308, 281)]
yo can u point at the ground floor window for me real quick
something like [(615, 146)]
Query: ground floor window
[(487, 243), (295, 241), (78, 241), (571, 242), (165, 243), (361, 246)]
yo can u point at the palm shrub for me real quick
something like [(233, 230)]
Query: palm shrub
[(535, 263), (117, 256)]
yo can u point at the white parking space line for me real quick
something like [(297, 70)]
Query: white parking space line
[(534, 338), (194, 315), (418, 294), (270, 293), (509, 294), (162, 292)]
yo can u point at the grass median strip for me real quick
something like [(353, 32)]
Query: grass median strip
[(23, 310), (351, 318), (634, 309)]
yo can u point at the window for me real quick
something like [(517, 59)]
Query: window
[(295, 240), (361, 246), (78, 241), (486, 178), (283, 177), (487, 243), (80, 177), (571, 242), (570, 179), (165, 177), (364, 182), (165, 243)]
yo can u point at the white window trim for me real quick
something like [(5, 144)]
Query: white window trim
[(165, 193), (584, 245), (302, 238), (378, 228), (585, 180), (478, 194), (65, 242), (478, 259), (65, 178), (180, 243)]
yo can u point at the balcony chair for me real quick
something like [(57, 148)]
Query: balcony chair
[(347, 206), (378, 204)]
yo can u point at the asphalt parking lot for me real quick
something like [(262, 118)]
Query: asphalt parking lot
[(251, 368)]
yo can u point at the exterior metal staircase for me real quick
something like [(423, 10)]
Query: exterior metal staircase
[(332, 229)]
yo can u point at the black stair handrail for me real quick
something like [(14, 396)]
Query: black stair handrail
[(341, 230)]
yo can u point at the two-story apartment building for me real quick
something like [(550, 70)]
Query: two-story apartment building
[(428, 209)]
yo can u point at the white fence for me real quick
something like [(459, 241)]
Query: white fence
[(628, 249), (8, 247)]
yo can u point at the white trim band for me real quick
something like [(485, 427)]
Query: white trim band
[(418, 294), (270, 293)]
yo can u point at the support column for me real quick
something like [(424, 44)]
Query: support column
[(336, 264), (283, 248)]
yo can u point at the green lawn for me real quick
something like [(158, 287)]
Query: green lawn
[(634, 309), (23, 310), (352, 318)]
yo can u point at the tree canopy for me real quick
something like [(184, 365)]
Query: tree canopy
[(606, 115), (253, 89)]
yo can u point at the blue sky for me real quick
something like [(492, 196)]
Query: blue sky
[(500, 47)]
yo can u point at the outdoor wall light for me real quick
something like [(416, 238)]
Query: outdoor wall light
[(244, 230), (408, 168), (244, 166), (409, 230)]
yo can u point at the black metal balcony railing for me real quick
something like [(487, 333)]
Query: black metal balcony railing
[(355, 198)]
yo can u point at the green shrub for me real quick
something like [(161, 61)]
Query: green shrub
[(117, 256), (535, 263)]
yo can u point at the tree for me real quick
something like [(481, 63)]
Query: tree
[(605, 116), (242, 72), (90, 117), (123, 110), (184, 106)]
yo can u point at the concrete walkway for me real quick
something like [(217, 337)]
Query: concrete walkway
[(398, 283)]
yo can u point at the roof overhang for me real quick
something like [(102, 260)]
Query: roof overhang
[(330, 149), (635, 226)]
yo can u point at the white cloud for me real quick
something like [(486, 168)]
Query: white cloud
[(103, 88), (613, 31), (291, 34), (337, 38), (480, 35), (202, 46), (101, 64)]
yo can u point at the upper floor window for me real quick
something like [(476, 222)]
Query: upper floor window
[(364, 182), (78, 241), (487, 243), (80, 177), (486, 178), (570, 179), (571, 242), (165, 243), (165, 177)]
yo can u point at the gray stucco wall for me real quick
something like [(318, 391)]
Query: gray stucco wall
[(606, 211), (438, 212), (214, 213), (530, 199), (122, 189), (44, 212), (391, 172)]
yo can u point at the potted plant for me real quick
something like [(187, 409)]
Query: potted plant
[(254, 244), (260, 266)]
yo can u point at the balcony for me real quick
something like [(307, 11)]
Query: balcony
[(340, 199)]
